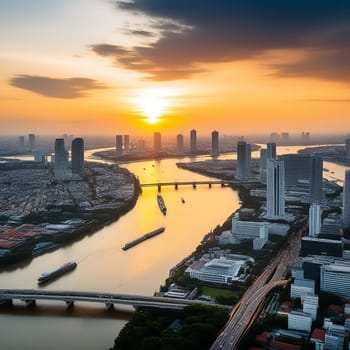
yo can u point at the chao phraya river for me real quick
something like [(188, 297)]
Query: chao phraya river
[(104, 266)]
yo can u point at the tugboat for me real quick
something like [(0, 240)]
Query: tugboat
[(161, 204), (182, 200)]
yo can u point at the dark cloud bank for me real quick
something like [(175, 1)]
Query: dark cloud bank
[(58, 88), (207, 31)]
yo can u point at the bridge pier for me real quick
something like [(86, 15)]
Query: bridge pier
[(194, 185), (159, 188), (109, 306), (6, 302), (222, 184), (209, 184), (30, 302), (70, 304), (176, 186)]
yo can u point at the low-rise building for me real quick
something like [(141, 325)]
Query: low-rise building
[(301, 288), (299, 321), (219, 270), (310, 306), (336, 279)]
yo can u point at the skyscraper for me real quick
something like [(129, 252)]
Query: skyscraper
[(297, 167), (271, 150), (193, 137), (263, 164), (314, 219), (119, 144), (157, 141), (243, 160), (31, 142), (61, 158), (126, 143), (347, 149), (346, 200), (215, 143), (78, 156), (316, 177), (180, 145), (21, 143), (275, 195)]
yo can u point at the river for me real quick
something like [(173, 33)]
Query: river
[(104, 266)]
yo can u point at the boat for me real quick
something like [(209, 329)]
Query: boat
[(143, 238), (161, 204), (182, 200), (50, 275)]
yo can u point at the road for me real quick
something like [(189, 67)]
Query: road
[(248, 308)]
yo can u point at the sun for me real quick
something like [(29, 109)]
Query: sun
[(152, 108), (152, 104)]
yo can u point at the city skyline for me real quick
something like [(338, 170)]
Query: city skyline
[(145, 66)]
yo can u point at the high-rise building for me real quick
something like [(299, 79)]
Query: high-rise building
[(61, 158), (347, 149), (322, 246), (263, 164), (193, 137), (314, 219), (275, 193), (316, 177), (271, 150), (78, 156), (215, 143), (243, 160), (180, 145), (336, 279), (126, 143), (346, 200), (31, 142), (285, 137), (119, 144), (305, 137), (141, 145), (21, 143), (297, 168), (157, 141)]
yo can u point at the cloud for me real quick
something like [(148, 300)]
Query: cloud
[(144, 33), (58, 88), (195, 32)]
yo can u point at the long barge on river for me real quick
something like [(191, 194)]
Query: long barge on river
[(143, 238), (50, 275)]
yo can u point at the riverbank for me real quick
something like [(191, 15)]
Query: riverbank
[(331, 153), (80, 208)]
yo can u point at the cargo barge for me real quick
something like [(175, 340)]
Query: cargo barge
[(161, 204), (143, 238), (50, 275)]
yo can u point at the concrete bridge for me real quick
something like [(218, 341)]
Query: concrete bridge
[(194, 184), (30, 296)]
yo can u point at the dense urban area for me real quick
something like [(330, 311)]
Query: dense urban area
[(275, 275)]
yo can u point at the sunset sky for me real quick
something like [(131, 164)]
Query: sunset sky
[(238, 66)]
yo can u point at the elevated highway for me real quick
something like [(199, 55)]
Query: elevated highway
[(248, 308)]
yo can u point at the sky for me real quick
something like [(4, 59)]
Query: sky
[(136, 66)]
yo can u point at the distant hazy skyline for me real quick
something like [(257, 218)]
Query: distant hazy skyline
[(241, 67)]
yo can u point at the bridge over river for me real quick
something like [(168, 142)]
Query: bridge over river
[(30, 296), (194, 184)]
